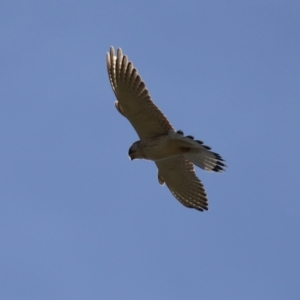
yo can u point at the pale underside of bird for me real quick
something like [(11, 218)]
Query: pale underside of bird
[(173, 153)]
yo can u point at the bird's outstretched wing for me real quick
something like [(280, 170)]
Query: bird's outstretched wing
[(179, 175), (134, 101)]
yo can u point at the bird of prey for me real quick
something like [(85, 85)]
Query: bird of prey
[(173, 153)]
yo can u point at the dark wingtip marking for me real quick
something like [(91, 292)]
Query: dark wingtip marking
[(217, 168), (198, 208), (207, 147), (199, 142), (201, 208), (190, 137), (218, 156), (180, 132), (221, 164)]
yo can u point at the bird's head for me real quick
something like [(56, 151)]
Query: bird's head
[(134, 151)]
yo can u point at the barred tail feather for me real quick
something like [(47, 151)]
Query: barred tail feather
[(206, 160), (200, 154)]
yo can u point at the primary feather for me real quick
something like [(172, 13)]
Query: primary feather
[(133, 98)]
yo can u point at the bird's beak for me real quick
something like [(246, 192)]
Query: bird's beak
[(130, 154)]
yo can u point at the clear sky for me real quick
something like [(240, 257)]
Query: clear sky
[(79, 220)]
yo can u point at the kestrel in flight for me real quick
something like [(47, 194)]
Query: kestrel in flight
[(173, 153)]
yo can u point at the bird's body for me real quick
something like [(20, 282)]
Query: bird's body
[(159, 148), (173, 153)]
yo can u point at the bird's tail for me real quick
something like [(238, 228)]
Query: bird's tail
[(206, 159), (200, 154)]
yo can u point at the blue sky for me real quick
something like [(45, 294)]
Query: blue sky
[(79, 220)]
